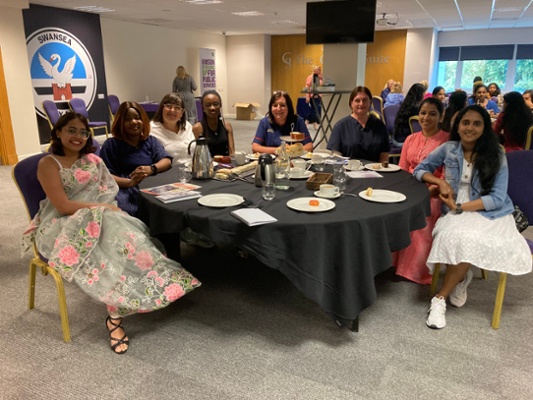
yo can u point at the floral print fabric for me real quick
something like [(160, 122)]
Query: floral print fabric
[(108, 253)]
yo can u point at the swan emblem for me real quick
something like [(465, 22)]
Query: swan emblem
[(63, 77)]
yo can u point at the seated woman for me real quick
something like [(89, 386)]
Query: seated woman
[(395, 96), (408, 109), (439, 93), (360, 135), (494, 94), (214, 127), (456, 103), (477, 227), (513, 122), (280, 120), (528, 98), (411, 261), (88, 240), (171, 128), (132, 154), (479, 97)]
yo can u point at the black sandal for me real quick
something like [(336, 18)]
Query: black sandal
[(120, 341)]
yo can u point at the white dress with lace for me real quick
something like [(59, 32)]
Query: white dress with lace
[(491, 244)]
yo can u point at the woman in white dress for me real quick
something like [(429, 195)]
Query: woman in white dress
[(477, 227), (171, 128)]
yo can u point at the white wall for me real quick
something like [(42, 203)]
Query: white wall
[(141, 60), (18, 81), (249, 77), (486, 37), (419, 57)]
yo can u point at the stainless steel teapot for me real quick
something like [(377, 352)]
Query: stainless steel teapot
[(264, 172), (202, 163)]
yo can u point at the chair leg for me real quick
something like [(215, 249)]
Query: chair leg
[(484, 274), (499, 301), (62, 304), (435, 280), (31, 297)]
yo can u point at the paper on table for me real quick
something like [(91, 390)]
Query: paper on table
[(364, 174), (171, 197), (253, 216)]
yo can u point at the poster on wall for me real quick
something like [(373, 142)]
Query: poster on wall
[(208, 79), (66, 60)]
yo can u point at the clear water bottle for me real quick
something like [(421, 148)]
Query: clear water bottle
[(339, 177), (282, 168)]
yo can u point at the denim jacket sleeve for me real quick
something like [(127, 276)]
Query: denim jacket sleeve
[(433, 161)]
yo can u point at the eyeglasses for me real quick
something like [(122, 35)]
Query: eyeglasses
[(172, 107), (82, 132)]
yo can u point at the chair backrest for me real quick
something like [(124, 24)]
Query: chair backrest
[(113, 104), (527, 145), (78, 105), (376, 114), (520, 187), (377, 104), (389, 114), (199, 110), (25, 177), (414, 124), (52, 113)]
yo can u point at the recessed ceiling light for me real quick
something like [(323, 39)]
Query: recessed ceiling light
[(248, 14), (94, 9), (202, 2), (284, 22)]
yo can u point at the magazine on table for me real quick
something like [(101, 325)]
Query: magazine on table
[(170, 188), (171, 197), (253, 216)]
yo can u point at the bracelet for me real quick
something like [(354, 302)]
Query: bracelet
[(458, 209), (154, 169)]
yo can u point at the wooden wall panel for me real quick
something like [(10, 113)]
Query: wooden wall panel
[(292, 61), (8, 155), (385, 59)]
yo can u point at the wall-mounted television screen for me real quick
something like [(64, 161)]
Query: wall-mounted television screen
[(341, 21)]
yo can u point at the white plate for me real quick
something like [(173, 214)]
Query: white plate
[(336, 195), (220, 200), (252, 157), (302, 204), (361, 167), (188, 164), (289, 139), (383, 196), (308, 154), (305, 175), (378, 168)]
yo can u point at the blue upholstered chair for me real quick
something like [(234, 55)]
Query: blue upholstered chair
[(78, 105), (52, 113), (520, 190), (113, 104), (25, 176)]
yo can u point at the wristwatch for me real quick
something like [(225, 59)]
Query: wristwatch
[(154, 169), (458, 209)]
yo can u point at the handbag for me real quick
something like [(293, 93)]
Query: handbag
[(520, 219)]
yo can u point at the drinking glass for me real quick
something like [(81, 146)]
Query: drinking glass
[(339, 177), (184, 174), (269, 191)]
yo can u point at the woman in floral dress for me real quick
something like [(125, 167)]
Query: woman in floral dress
[(90, 241)]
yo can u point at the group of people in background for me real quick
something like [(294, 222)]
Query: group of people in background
[(87, 228)]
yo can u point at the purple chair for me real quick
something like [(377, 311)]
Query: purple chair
[(414, 124), (25, 176), (52, 113), (377, 104), (78, 105), (199, 109), (389, 114), (113, 104)]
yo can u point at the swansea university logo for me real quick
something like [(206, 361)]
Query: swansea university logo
[(61, 68)]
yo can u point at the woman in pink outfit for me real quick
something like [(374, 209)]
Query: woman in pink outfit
[(411, 261)]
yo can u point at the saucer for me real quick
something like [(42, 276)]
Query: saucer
[(336, 195)]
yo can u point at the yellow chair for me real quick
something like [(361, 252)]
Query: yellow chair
[(376, 114), (25, 176)]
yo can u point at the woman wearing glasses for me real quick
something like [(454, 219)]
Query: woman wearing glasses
[(132, 154), (214, 127), (171, 128), (279, 121), (90, 241)]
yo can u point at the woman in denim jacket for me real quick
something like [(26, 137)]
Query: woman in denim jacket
[(477, 227)]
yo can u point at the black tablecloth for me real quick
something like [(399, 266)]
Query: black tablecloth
[(332, 257)]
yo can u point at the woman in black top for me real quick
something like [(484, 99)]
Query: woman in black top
[(218, 132)]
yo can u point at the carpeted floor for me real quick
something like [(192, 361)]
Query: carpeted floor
[(247, 333)]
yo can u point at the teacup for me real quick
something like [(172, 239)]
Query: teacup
[(296, 172), (240, 157), (354, 165), (299, 163), (328, 190), (318, 162)]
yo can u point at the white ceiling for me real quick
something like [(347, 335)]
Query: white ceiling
[(283, 17)]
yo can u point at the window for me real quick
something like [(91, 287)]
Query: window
[(524, 68)]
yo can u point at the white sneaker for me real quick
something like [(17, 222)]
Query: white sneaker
[(458, 295), (436, 319)]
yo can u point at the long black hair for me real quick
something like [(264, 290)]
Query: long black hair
[(487, 153), (456, 103), (517, 117), (409, 107)]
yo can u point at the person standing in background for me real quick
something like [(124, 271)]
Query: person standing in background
[(313, 99), (185, 85)]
